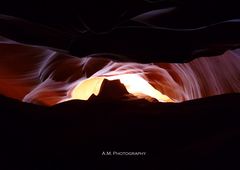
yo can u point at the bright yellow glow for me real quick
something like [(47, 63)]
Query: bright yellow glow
[(87, 87), (139, 87), (135, 85)]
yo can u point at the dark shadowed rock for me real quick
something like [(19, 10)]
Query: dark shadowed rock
[(111, 90)]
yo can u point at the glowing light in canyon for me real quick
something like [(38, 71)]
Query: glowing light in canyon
[(134, 84)]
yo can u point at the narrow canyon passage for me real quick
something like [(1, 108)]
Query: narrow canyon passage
[(43, 76)]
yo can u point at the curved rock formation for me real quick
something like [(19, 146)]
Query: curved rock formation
[(43, 76)]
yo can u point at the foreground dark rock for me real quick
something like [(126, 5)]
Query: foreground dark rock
[(196, 134)]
